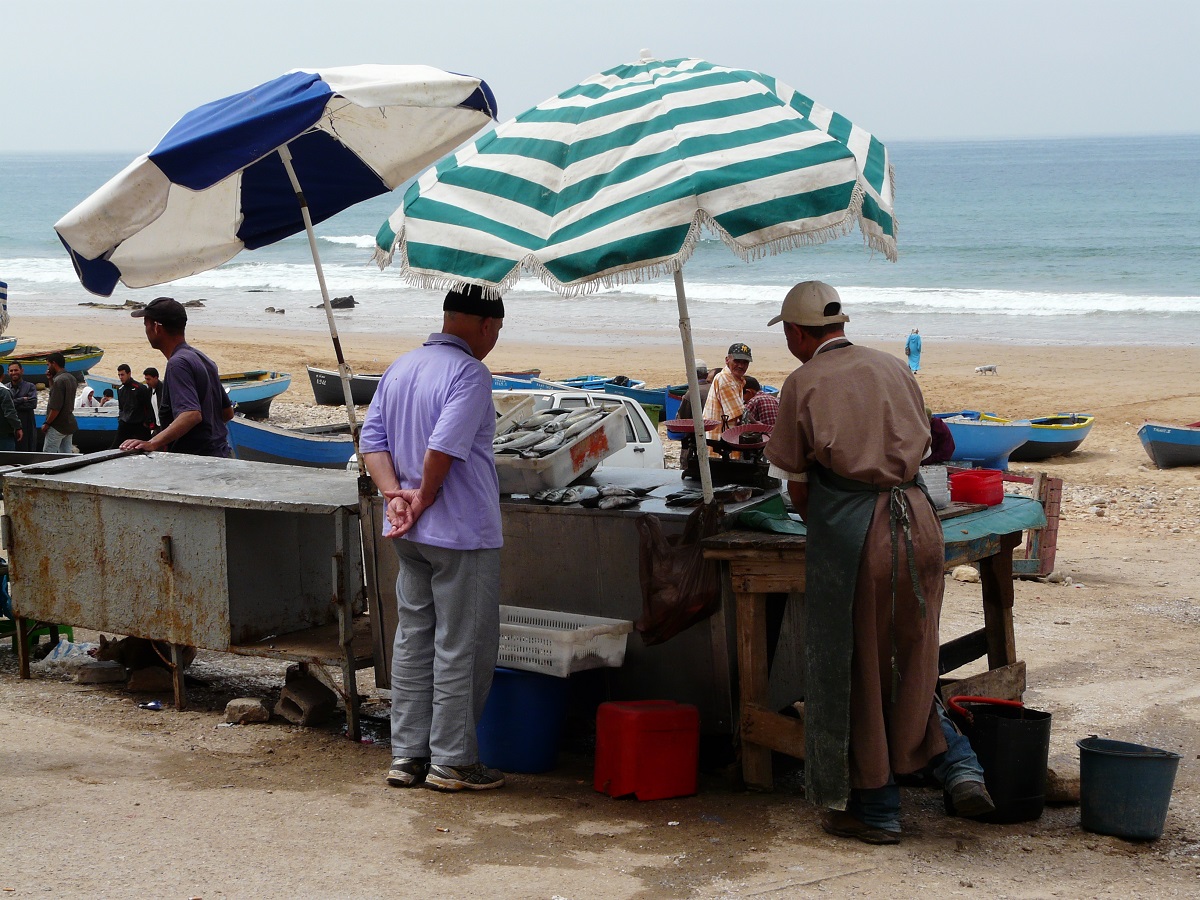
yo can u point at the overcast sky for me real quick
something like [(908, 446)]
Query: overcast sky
[(114, 75)]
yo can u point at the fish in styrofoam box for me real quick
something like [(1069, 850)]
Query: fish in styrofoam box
[(579, 453)]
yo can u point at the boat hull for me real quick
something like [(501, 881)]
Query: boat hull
[(987, 444), (321, 447), (327, 387), (7, 345), (1170, 446), (80, 360), (252, 392), (1053, 436), (97, 429)]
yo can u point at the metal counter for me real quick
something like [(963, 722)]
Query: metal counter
[(585, 561), (211, 553)]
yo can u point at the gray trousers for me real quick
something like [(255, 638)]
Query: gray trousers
[(447, 637), (57, 442)]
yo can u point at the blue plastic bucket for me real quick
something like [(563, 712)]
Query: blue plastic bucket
[(522, 721), (1124, 789)]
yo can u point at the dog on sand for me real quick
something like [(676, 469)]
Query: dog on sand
[(987, 370)]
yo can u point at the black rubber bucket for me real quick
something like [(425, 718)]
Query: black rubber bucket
[(1124, 789), (1013, 745)]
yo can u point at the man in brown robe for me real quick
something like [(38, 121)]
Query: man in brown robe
[(850, 437)]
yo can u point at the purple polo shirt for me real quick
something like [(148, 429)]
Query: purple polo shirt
[(439, 397)]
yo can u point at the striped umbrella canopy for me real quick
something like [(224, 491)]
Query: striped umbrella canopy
[(615, 180)]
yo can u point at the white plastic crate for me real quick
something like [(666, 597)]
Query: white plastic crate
[(558, 643)]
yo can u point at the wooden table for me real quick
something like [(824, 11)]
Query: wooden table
[(761, 563)]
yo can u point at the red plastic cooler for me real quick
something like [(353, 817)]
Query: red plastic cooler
[(648, 748)]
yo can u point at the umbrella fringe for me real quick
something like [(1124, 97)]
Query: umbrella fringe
[(383, 258), (873, 236)]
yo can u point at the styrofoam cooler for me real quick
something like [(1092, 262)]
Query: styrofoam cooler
[(564, 465)]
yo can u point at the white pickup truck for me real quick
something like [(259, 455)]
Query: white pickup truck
[(643, 447)]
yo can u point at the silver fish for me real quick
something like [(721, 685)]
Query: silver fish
[(507, 438), (550, 495), (618, 502), (537, 420), (579, 493), (613, 490), (551, 443), (582, 425), (522, 440)]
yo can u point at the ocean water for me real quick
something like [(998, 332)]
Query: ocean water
[(1081, 241)]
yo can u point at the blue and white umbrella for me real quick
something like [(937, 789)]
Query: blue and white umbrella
[(253, 168)]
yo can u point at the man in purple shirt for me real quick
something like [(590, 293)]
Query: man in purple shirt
[(194, 407), (427, 443)]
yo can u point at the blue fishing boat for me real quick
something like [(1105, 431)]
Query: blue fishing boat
[(252, 392), (97, 428), (985, 443), (1171, 445), (80, 360), (1052, 435), (317, 446), (7, 345)]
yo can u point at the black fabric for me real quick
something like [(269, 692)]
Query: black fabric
[(472, 300)]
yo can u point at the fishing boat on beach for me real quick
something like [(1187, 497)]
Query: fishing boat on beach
[(985, 443), (327, 387), (7, 345), (1171, 445), (316, 446), (252, 392), (1052, 435), (80, 359)]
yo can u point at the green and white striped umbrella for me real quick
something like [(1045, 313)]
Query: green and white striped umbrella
[(614, 181)]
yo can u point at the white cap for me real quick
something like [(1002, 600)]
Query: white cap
[(809, 303)]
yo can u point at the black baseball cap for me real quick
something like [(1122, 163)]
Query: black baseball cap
[(740, 351), (163, 309), (470, 299)]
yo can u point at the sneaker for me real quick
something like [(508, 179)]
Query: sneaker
[(475, 777), (971, 798), (408, 771)]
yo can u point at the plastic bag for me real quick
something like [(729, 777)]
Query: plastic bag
[(679, 586)]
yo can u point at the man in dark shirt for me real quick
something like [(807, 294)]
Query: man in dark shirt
[(25, 400), (133, 404), (155, 385), (194, 407), (60, 424)]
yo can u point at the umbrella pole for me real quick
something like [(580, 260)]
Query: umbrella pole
[(343, 369), (689, 356)]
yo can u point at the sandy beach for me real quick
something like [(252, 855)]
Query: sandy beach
[(105, 800)]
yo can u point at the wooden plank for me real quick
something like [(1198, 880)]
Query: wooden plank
[(752, 680), (23, 629), (995, 575), (1005, 683), (767, 577), (177, 682), (775, 730), (961, 553), (962, 650)]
